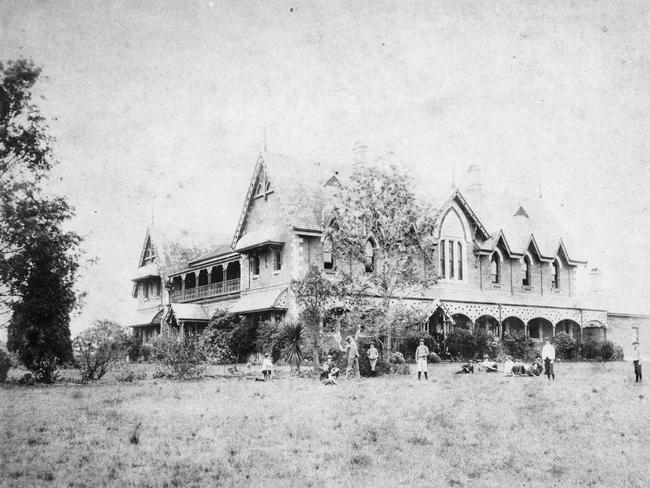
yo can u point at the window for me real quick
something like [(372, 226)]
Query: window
[(555, 275), (328, 258), (525, 271), (451, 259), (277, 259), (157, 287), (145, 290), (255, 264), (369, 256), (494, 268), (149, 256)]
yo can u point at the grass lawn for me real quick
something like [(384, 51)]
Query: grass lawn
[(589, 428)]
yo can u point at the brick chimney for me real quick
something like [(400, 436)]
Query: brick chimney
[(474, 180), (359, 153)]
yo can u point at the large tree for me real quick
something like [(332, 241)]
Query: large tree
[(384, 232), (315, 295), (38, 256)]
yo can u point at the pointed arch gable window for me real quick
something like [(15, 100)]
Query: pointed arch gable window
[(369, 255), (495, 268), (149, 254), (555, 274), (328, 257), (525, 271)]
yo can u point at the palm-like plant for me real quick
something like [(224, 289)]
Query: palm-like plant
[(293, 336)]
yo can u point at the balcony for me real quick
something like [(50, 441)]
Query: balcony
[(206, 291)]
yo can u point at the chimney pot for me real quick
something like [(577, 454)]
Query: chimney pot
[(359, 153)]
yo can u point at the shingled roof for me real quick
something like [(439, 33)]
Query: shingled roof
[(175, 247), (299, 187)]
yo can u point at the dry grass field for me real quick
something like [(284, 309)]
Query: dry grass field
[(589, 428)]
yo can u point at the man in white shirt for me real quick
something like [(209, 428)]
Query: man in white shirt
[(636, 357), (507, 366), (421, 354), (548, 356)]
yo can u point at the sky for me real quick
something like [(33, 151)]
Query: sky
[(159, 111)]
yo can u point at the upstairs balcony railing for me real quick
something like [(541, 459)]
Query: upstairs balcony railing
[(206, 291)]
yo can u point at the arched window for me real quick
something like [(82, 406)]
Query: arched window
[(459, 259), (495, 265), (369, 252), (525, 271), (555, 274), (328, 258), (443, 259)]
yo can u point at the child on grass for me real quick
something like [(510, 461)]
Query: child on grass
[(267, 367)]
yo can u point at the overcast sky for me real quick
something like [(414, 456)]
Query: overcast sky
[(162, 105)]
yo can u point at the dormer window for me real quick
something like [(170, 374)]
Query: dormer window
[(555, 275), (369, 256), (525, 271), (495, 266), (328, 257)]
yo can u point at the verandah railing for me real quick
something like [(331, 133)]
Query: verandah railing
[(205, 291)]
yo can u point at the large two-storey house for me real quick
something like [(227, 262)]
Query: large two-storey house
[(503, 265)]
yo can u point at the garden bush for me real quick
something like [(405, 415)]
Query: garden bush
[(566, 347), (520, 346), (591, 350), (5, 364), (460, 343), (99, 348), (184, 358)]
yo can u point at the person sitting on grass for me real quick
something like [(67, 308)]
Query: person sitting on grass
[(267, 367), (507, 366), (536, 368), (519, 369), (331, 377), (488, 366), (467, 368), (327, 367)]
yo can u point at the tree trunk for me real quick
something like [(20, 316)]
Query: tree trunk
[(316, 348)]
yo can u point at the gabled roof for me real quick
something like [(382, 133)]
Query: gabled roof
[(221, 251), (298, 186), (520, 223), (174, 248)]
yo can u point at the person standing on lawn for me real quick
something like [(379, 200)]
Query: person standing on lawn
[(353, 355), (636, 357), (267, 367), (373, 355), (421, 354), (548, 356)]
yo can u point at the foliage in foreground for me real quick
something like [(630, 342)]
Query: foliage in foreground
[(5, 364), (183, 358), (38, 257), (99, 348)]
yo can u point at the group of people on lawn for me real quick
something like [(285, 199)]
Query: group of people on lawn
[(544, 362)]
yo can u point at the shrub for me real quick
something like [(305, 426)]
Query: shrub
[(461, 343), (183, 358), (591, 350), (269, 339), (243, 340), (433, 358), (565, 346), (293, 337), (397, 358), (610, 351), (520, 346), (100, 347), (5, 364)]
